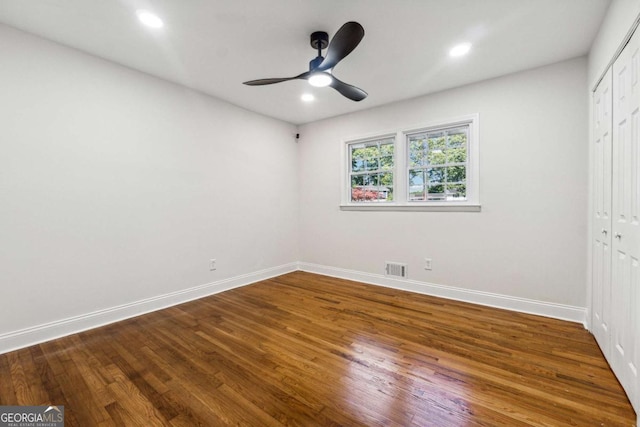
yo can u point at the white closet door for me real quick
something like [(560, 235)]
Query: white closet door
[(601, 243), (626, 219)]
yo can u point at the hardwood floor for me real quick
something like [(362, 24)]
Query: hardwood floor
[(309, 350)]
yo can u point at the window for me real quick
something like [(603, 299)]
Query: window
[(371, 171), (438, 165), (433, 167)]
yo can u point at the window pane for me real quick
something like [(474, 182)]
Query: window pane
[(386, 179), (457, 146), (416, 185), (435, 175), (437, 145), (386, 156), (389, 192), (417, 151), (366, 156), (386, 149), (436, 192), (357, 180), (372, 151), (386, 187), (372, 156), (457, 137), (358, 194), (416, 194), (380, 194), (358, 154), (436, 157), (456, 174), (358, 188), (370, 192), (371, 164), (457, 192), (357, 165), (457, 155), (371, 180), (416, 177), (386, 163)]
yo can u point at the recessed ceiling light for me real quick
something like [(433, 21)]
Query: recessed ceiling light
[(149, 19), (460, 50), (320, 79), (307, 97)]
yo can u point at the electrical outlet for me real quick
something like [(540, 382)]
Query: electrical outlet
[(212, 264), (427, 264)]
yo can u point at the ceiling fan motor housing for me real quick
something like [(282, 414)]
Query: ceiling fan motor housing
[(319, 40)]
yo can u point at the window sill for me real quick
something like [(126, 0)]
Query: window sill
[(440, 207)]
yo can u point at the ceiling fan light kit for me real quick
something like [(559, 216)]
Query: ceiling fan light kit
[(320, 79), (320, 68)]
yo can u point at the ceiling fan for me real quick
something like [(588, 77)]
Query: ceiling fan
[(320, 68)]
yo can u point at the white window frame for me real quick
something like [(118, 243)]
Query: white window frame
[(401, 170), (377, 138)]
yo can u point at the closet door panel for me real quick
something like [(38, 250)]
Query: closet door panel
[(601, 241), (625, 244)]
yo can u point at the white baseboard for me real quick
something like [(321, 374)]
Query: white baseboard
[(523, 305), (46, 332), (60, 328)]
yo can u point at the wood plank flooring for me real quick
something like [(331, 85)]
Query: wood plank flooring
[(309, 350)]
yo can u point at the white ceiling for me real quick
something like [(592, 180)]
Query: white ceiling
[(214, 45)]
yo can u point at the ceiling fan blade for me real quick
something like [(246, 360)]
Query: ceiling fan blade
[(262, 82), (351, 92), (342, 44)]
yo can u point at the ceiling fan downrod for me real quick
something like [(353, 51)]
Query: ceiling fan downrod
[(319, 40)]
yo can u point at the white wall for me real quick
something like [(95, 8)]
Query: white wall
[(116, 186), (528, 241)]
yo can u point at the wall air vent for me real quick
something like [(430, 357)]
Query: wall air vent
[(395, 269)]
